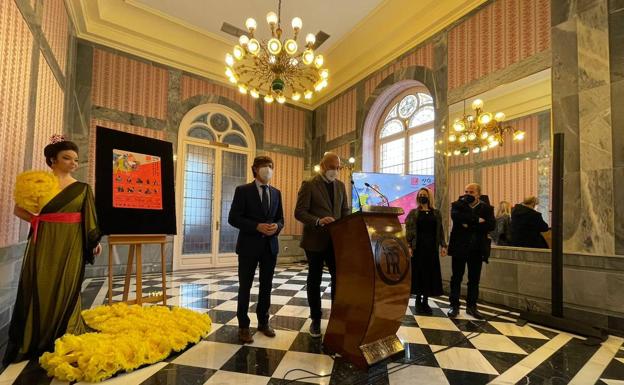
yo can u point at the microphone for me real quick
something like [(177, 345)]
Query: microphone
[(357, 194), (378, 192)]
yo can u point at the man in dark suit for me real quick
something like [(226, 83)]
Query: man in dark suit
[(473, 219), (320, 201), (257, 212)]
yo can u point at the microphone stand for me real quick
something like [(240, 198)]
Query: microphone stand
[(378, 192), (356, 194)]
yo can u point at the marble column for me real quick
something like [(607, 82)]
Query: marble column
[(616, 55), (582, 111)]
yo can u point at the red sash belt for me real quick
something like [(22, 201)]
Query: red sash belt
[(53, 218)]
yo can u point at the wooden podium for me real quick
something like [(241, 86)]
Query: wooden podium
[(373, 280)]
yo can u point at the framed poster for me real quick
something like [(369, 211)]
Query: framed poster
[(134, 191)]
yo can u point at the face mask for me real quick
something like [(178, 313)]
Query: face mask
[(265, 173), (331, 175), (468, 198), (423, 200)]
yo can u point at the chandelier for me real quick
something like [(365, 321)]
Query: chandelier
[(276, 67), (479, 132)]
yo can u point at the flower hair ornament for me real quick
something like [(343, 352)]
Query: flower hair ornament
[(56, 138)]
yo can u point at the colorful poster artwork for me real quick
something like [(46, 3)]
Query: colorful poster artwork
[(401, 190), (137, 182)]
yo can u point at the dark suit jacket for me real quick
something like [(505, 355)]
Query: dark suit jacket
[(313, 203), (468, 235), (246, 213)]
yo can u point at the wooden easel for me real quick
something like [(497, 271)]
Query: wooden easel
[(135, 242)]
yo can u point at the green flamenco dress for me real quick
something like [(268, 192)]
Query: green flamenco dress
[(48, 297)]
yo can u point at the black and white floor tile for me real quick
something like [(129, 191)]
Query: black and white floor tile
[(438, 350)]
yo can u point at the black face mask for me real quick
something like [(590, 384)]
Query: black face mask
[(468, 198), (423, 200)]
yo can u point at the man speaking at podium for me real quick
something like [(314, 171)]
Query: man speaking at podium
[(320, 201)]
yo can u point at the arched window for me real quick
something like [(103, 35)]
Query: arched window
[(405, 136)]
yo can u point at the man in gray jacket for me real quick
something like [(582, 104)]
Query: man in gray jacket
[(320, 201)]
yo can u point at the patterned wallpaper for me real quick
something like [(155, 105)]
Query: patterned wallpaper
[(288, 177), (510, 181), (55, 26), (161, 135), (16, 43), (501, 34), (192, 86), (341, 115), (284, 125), (128, 85), (48, 112), (422, 56)]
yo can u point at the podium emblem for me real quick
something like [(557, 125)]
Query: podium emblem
[(391, 259)]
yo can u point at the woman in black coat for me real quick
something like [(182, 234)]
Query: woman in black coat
[(425, 236)]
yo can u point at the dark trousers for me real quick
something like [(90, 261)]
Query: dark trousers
[(316, 260), (246, 269), (459, 263)]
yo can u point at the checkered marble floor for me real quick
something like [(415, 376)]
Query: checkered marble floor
[(438, 350)]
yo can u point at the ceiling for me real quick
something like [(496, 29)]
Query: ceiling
[(185, 34), (339, 22)]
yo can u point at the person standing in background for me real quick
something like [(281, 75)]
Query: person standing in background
[(320, 201), (469, 245), (502, 233), (527, 225), (257, 212), (425, 236)]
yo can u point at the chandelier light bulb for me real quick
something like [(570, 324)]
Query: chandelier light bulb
[(484, 148), (228, 72), (296, 96), (243, 40), (308, 56), (290, 46), (280, 99), (518, 135), (268, 98), (476, 150), (463, 138), (472, 136), (499, 116), (318, 61), (477, 104), (459, 126), (253, 46), (271, 18), (274, 46), (251, 24), (272, 59), (297, 23), (310, 39), (456, 152), (470, 118), (491, 138), (484, 135), (323, 83), (293, 62), (229, 59), (238, 51), (318, 86), (242, 89), (317, 168), (485, 118), (254, 93), (307, 94), (324, 73), (452, 138), (351, 160), (233, 79), (494, 143)]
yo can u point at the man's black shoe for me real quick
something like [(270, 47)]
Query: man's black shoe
[(454, 312), (315, 328), (472, 310)]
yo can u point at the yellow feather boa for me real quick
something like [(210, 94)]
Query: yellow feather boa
[(129, 337), (34, 189)]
